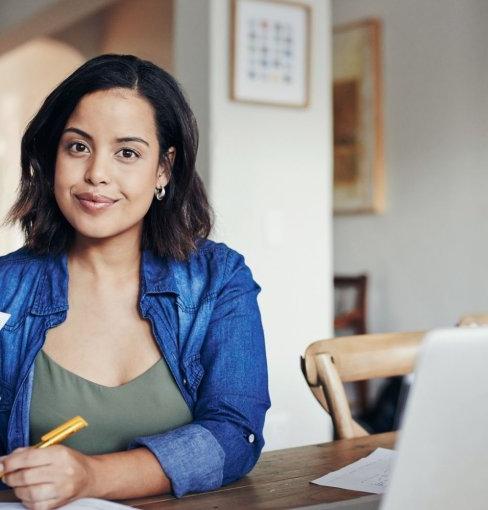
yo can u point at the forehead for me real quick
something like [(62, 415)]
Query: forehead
[(114, 111)]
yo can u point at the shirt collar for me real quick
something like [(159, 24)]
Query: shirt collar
[(52, 291), (157, 274), (157, 277)]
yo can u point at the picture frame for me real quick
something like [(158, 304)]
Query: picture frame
[(270, 52), (359, 185)]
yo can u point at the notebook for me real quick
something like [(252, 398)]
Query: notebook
[(80, 504)]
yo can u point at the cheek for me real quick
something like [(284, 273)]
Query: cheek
[(139, 196), (64, 173), (60, 179), (66, 177), (138, 182)]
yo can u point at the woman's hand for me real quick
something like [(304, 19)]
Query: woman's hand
[(45, 478)]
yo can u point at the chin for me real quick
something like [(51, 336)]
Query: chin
[(97, 233), (102, 230)]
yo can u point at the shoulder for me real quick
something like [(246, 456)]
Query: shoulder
[(219, 262), (218, 257), (226, 269), (210, 270), (19, 273), (18, 262)]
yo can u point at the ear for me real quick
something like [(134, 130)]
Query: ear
[(166, 167), (171, 154)]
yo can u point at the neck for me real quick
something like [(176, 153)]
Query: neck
[(112, 259)]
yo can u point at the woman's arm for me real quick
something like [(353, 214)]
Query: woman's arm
[(125, 475), (225, 438), (50, 477)]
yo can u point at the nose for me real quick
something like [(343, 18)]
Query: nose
[(97, 171)]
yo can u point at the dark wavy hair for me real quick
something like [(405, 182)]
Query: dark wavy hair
[(172, 227)]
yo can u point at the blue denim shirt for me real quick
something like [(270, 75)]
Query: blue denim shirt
[(206, 322)]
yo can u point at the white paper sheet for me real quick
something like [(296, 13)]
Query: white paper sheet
[(369, 474), (80, 504), (4, 317)]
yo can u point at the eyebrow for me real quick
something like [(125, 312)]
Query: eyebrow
[(118, 140)]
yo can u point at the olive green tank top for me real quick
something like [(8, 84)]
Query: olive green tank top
[(149, 404)]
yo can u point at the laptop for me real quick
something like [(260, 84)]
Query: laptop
[(442, 461)]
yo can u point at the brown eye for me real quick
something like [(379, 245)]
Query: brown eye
[(79, 147), (128, 154)]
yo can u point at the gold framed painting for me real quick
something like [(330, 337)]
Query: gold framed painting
[(270, 52), (358, 118)]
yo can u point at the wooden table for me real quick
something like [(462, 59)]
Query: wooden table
[(281, 479)]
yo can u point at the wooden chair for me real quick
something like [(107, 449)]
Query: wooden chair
[(327, 364), (473, 320), (353, 319), (350, 319)]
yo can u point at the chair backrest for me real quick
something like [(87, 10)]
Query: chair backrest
[(350, 310), (329, 363), (473, 320)]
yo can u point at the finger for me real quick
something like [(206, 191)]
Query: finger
[(6, 456), (41, 505), (26, 458), (29, 476), (37, 493), (3, 457)]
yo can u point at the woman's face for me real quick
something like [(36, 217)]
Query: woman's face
[(108, 164)]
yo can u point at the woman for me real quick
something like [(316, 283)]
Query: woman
[(120, 309)]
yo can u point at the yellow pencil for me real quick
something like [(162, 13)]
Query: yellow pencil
[(61, 433)]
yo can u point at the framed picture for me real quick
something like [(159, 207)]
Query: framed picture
[(358, 118), (270, 52)]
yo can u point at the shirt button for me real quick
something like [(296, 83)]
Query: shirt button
[(185, 382), (251, 438)]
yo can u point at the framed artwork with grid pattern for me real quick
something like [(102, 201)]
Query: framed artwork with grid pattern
[(270, 52)]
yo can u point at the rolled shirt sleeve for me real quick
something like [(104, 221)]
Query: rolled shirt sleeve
[(177, 451)]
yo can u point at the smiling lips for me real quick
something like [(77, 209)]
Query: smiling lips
[(93, 202)]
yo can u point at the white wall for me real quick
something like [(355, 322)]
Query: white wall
[(192, 68), (23, 20), (269, 181), (427, 254)]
